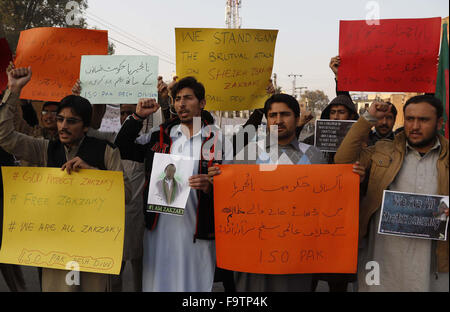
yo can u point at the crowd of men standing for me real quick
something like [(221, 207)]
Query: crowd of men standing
[(171, 253)]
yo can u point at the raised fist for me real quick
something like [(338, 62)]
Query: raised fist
[(305, 117), (76, 89), (334, 64), (18, 78), (378, 109), (146, 107), (163, 91)]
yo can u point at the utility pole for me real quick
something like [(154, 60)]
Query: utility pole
[(275, 81), (300, 91), (294, 83)]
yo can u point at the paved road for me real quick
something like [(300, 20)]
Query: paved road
[(32, 281)]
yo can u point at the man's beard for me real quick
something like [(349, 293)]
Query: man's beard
[(383, 131), (425, 142), (287, 134)]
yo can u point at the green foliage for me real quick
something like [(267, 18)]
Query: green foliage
[(19, 15), (316, 99)]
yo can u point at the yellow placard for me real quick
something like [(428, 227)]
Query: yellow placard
[(52, 218), (235, 65)]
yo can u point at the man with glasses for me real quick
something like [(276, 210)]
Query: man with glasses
[(72, 150), (47, 129), (134, 215)]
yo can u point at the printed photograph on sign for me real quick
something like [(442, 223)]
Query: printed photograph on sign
[(414, 215), (169, 184)]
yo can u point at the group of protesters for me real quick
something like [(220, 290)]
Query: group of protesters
[(172, 253)]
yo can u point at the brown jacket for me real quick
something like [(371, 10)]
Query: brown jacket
[(384, 160)]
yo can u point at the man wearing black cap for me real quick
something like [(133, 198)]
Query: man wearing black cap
[(340, 108)]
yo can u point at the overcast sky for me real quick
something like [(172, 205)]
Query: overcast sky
[(308, 30)]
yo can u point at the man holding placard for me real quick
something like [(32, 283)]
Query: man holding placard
[(134, 218), (282, 111), (415, 162), (341, 110), (180, 245), (73, 151), (334, 121)]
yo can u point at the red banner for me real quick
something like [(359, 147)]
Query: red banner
[(5, 58), (398, 55)]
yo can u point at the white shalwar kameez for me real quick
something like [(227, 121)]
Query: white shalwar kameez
[(172, 261)]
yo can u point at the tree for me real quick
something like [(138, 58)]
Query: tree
[(316, 99), (19, 15), (111, 48)]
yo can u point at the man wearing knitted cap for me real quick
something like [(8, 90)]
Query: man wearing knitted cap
[(340, 108)]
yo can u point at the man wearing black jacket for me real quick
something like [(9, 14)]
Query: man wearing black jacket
[(12, 274), (179, 252), (340, 108), (72, 151)]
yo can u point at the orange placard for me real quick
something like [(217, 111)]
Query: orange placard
[(54, 55), (295, 219)]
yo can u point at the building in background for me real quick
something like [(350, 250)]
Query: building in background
[(362, 99)]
